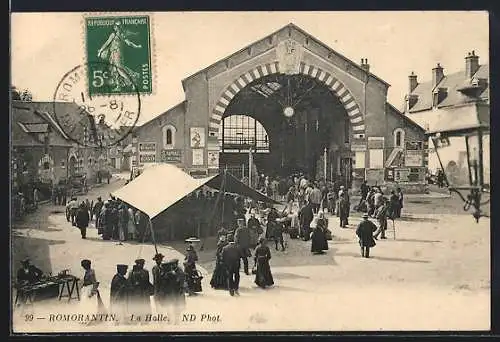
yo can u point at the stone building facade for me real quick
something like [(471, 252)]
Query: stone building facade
[(190, 133), (42, 153), (451, 102)]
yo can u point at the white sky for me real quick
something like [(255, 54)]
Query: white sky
[(47, 45)]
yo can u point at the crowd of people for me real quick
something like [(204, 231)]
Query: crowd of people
[(114, 219), (234, 246)]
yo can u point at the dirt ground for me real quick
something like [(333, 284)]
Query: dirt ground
[(434, 275)]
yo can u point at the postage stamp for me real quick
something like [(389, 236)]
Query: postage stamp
[(95, 121), (124, 42)]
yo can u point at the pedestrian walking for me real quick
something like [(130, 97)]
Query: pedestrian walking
[(71, 209), (242, 240), (400, 195), (343, 210), (219, 277), (231, 256), (119, 294), (263, 275), (381, 215), (306, 216), (365, 231), (140, 290), (82, 219), (90, 298), (193, 279)]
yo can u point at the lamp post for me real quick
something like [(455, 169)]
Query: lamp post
[(474, 191)]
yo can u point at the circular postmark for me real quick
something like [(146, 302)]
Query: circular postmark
[(102, 118)]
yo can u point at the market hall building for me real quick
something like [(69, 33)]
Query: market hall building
[(299, 106)]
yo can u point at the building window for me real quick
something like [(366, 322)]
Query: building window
[(399, 138), (168, 133), (239, 133)]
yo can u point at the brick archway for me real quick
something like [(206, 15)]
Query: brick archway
[(339, 89)]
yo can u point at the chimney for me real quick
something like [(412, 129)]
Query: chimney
[(437, 75), (412, 82), (471, 64), (364, 64)]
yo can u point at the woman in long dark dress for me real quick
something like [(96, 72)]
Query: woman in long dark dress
[(263, 276), (219, 277), (318, 238)]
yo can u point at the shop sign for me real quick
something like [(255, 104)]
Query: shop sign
[(171, 156), (147, 147)]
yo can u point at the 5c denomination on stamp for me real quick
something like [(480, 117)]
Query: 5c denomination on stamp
[(123, 42), (95, 121)]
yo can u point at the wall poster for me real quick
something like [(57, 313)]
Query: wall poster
[(198, 156), (213, 159), (197, 137)]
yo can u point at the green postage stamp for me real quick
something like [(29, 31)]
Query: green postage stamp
[(118, 55)]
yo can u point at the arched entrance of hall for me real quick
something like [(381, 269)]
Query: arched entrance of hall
[(302, 120)]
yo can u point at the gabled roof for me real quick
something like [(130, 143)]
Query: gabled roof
[(452, 83), (32, 118), (297, 29), (393, 110)]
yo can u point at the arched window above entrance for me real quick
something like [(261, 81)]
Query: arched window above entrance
[(242, 132), (168, 133), (399, 137)]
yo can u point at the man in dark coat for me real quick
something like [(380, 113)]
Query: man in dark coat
[(28, 273), (106, 221), (242, 240), (140, 289), (119, 293), (82, 219), (306, 216), (343, 210), (96, 210), (271, 222), (156, 272), (365, 231), (364, 192), (231, 255)]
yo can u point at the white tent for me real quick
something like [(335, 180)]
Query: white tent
[(157, 188), (161, 186)]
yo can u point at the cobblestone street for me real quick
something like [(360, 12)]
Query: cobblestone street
[(437, 263)]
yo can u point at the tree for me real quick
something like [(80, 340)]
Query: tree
[(24, 95)]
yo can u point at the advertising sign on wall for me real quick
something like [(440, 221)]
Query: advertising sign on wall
[(401, 175), (171, 156), (147, 147), (414, 158), (147, 158), (213, 159), (197, 137), (198, 156), (375, 142)]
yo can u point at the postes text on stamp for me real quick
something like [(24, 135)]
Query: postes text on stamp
[(124, 42), (95, 121)]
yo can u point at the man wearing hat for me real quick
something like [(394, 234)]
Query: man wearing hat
[(242, 240), (231, 255), (140, 289), (254, 228), (156, 271), (172, 289), (365, 231), (28, 273), (119, 293)]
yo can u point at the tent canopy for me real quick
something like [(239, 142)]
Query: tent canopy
[(161, 186)]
